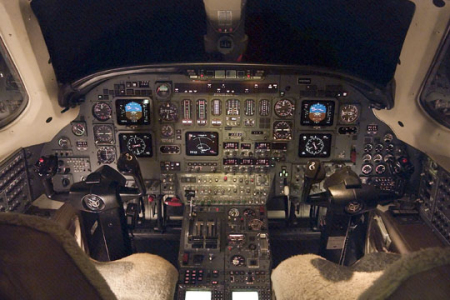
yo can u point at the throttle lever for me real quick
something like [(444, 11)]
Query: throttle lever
[(128, 164)]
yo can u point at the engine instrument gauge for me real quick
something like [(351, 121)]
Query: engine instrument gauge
[(314, 145), (102, 111), (249, 107), (284, 108), (79, 128), (168, 112), (106, 155), (140, 144), (264, 107), (233, 107), (282, 130), (167, 131), (103, 134), (349, 113)]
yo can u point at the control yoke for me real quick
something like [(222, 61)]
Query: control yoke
[(347, 195), (129, 165)]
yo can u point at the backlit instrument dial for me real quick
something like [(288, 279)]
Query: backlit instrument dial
[(102, 111), (167, 131), (79, 128), (284, 108), (349, 113), (136, 145), (168, 112), (163, 89), (282, 130), (103, 134), (106, 155), (314, 145)]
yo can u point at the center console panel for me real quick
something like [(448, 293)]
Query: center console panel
[(225, 250)]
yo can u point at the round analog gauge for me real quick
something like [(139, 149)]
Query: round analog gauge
[(380, 169), (238, 260), (167, 131), (388, 137), (163, 89), (379, 147), (102, 111), (234, 212), (368, 147), (64, 142), (314, 145), (349, 113), (103, 134), (367, 157), (255, 224), (282, 130), (106, 155), (284, 108), (168, 112), (248, 212), (136, 145), (378, 158), (390, 147), (388, 157), (79, 128), (367, 169)]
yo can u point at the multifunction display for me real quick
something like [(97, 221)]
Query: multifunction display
[(202, 143), (133, 112), (317, 113)]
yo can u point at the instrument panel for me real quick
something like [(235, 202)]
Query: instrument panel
[(179, 125)]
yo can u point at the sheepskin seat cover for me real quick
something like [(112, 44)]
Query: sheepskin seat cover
[(139, 277), (375, 276), (41, 260)]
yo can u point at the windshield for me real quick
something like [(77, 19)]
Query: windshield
[(362, 38)]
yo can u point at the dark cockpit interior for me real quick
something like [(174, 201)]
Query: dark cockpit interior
[(230, 139)]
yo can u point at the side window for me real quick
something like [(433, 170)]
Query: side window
[(13, 97), (435, 97)]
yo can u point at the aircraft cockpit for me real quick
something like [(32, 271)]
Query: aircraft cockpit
[(224, 150)]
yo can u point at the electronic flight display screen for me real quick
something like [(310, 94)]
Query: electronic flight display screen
[(317, 113), (133, 112), (202, 143)]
